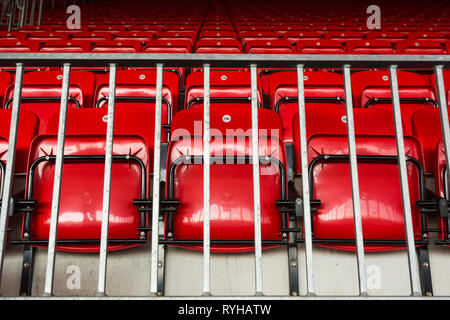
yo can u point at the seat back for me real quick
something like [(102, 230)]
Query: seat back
[(322, 89), (231, 179), (226, 88), (382, 212), (81, 198), (333, 121), (371, 89), (41, 93)]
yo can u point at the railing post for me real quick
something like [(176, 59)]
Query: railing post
[(9, 172), (101, 291), (355, 183), (310, 290), (256, 184), (444, 115), (412, 256), (155, 264), (49, 275), (206, 184)]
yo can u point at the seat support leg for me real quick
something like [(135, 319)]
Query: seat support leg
[(26, 281), (293, 260), (425, 271)]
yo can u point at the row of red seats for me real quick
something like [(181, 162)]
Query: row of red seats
[(258, 44), (41, 92), (231, 181)]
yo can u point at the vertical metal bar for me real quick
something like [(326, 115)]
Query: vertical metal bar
[(305, 183), (48, 288), (256, 186), (32, 12), (40, 12), (206, 183), (107, 182), (156, 181), (412, 256), (355, 183), (9, 172), (444, 115)]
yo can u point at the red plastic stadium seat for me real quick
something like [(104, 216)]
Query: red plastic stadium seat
[(382, 212), (421, 47), (92, 121), (117, 46), (370, 47), (226, 87), (41, 93), (218, 46), (137, 89), (10, 35), (268, 46), (231, 181), (19, 46), (258, 35), (65, 46), (387, 36), (130, 35), (187, 35), (28, 129), (46, 36), (81, 203), (345, 36), (322, 89), (429, 36), (216, 35), (446, 74), (295, 36), (168, 46), (332, 121), (426, 126), (371, 89), (320, 47), (91, 36)]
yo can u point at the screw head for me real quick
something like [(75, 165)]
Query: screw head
[(425, 264), (169, 234), (294, 293), (284, 235), (429, 294)]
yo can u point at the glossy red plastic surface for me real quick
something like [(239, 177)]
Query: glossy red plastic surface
[(218, 45), (169, 46), (269, 46), (73, 46), (426, 126), (5, 81), (368, 85), (316, 84), (231, 184), (333, 121), (49, 84), (223, 84), (370, 47), (28, 129), (90, 121), (81, 203), (117, 46), (379, 187), (320, 47), (421, 47)]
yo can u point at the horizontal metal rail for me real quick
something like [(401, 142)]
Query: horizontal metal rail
[(223, 60)]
